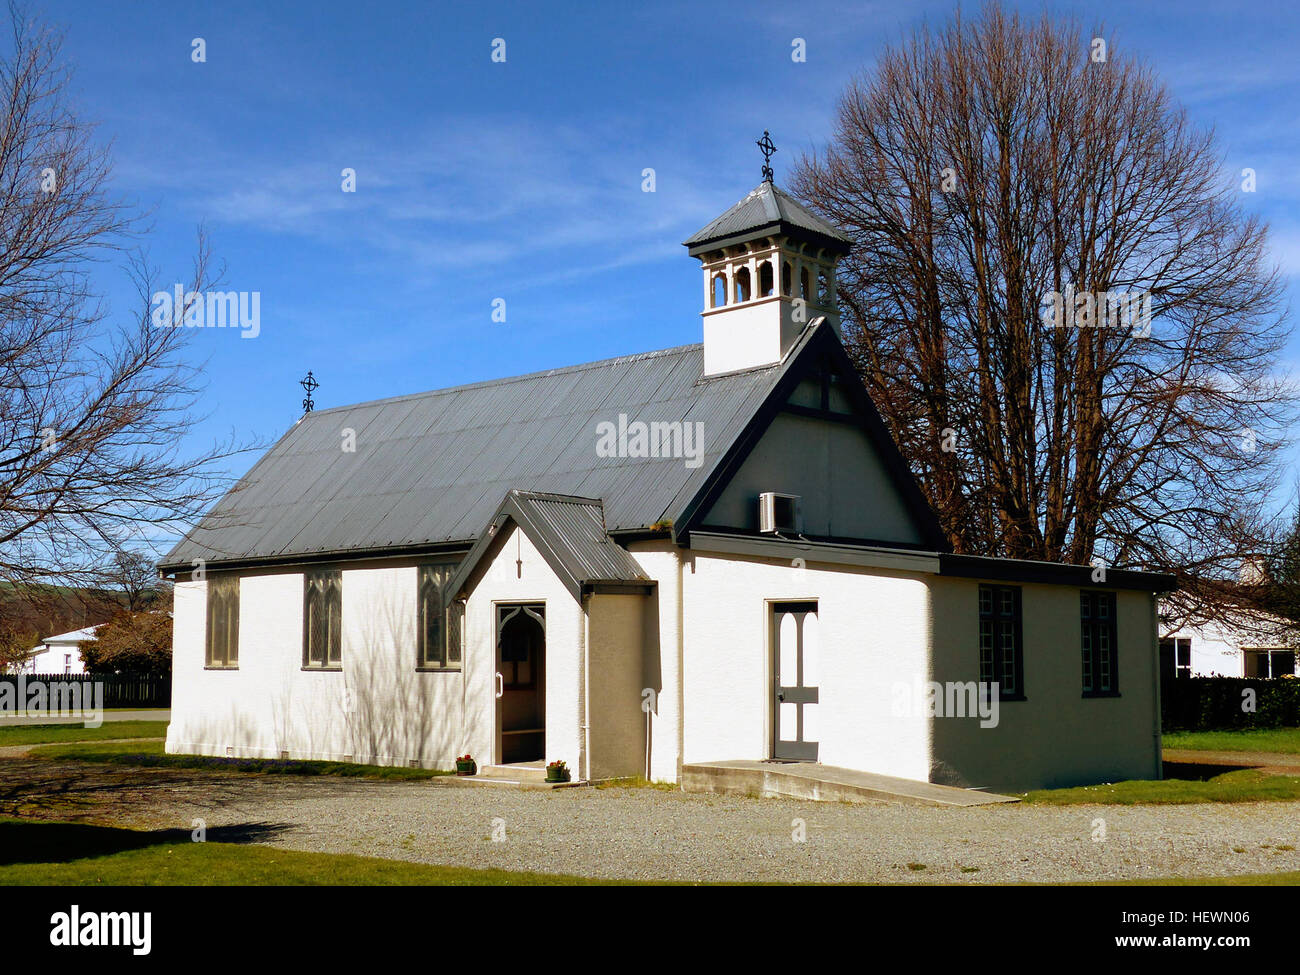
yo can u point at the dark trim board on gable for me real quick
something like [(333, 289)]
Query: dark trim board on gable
[(1057, 573), (876, 544), (403, 553), (768, 546), (889, 556)]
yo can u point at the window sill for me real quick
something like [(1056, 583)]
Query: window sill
[(1089, 695), (421, 669), (323, 670), (220, 667)]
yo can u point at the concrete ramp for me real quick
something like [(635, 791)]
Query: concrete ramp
[(810, 780)]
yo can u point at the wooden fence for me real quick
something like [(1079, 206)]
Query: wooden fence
[(120, 690)]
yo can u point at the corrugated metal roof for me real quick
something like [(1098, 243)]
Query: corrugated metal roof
[(574, 528), (764, 206), (570, 534), (430, 468)]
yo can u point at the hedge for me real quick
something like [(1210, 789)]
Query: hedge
[(1216, 703)]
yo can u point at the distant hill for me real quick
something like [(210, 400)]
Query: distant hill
[(43, 610)]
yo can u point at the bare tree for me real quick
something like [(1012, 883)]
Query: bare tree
[(93, 411), (133, 577), (1007, 184)]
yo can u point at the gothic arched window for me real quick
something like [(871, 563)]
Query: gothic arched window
[(743, 290)]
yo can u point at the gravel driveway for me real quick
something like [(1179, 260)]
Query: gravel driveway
[(645, 834)]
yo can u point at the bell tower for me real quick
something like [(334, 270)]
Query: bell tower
[(769, 270)]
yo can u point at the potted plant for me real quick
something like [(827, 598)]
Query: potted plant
[(557, 771), (465, 765)]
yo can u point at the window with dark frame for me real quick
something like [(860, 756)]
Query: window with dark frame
[(1099, 637), (1183, 657), (222, 636), (439, 647), (1001, 640), (322, 619), (1268, 661), (1175, 658)]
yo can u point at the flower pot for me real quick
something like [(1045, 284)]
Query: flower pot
[(466, 768), (557, 774)]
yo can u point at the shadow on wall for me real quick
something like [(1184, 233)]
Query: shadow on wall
[(379, 710), (395, 713)]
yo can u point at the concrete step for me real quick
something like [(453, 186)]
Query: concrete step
[(812, 780), (516, 773), (529, 776)]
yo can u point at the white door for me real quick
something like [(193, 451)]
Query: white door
[(794, 681)]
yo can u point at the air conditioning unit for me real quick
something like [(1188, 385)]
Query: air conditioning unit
[(780, 513)]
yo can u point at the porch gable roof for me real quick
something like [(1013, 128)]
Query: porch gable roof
[(570, 534)]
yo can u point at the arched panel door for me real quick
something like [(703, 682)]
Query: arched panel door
[(794, 681)]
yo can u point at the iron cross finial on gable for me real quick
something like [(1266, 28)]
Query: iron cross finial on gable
[(767, 147), (311, 385)]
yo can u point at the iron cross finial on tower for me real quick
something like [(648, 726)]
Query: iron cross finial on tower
[(766, 146), (310, 384)]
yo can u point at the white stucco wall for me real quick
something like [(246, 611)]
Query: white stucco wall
[(377, 710), (661, 655), (754, 333), (873, 631)]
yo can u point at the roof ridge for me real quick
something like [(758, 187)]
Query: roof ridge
[(503, 380), (551, 496)]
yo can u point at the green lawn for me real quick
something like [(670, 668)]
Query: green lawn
[(35, 853), (1263, 740), (1242, 785), (150, 754), (36, 733)]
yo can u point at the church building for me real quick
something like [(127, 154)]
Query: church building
[(707, 553)]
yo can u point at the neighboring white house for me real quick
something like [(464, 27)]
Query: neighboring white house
[(1252, 644), (705, 553), (59, 654)]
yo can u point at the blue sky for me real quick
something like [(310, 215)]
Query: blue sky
[(522, 180)]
